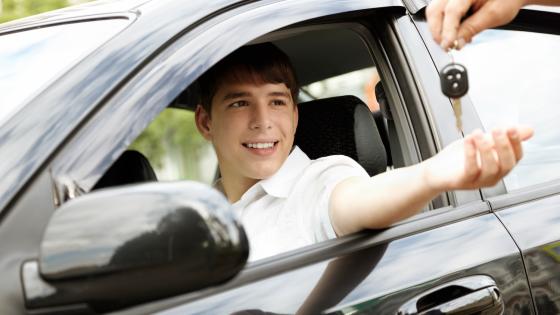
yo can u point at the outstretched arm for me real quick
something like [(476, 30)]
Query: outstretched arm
[(444, 17), (478, 160)]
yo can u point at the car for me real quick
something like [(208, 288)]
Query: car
[(85, 227)]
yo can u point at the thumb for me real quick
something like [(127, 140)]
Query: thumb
[(475, 24), (525, 132), (490, 14)]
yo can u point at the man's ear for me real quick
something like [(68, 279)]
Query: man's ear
[(296, 117), (203, 122)]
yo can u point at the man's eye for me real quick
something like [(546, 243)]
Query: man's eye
[(278, 102), (238, 104)]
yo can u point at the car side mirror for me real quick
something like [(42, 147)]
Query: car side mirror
[(124, 246)]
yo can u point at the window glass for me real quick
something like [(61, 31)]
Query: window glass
[(360, 83), (32, 59), (514, 78), (175, 148)]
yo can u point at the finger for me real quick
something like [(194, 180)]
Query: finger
[(472, 169), (504, 151), (490, 14), (434, 16), (525, 132), (475, 24), (489, 168), (453, 12), (515, 140)]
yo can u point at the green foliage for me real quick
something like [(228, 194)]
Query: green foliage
[(15, 9), (173, 135)]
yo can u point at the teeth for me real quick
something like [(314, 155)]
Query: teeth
[(265, 145)]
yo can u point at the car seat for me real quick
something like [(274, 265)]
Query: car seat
[(341, 125), (131, 167)]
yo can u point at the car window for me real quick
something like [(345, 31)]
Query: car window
[(31, 59), (360, 83), (513, 79), (175, 149)]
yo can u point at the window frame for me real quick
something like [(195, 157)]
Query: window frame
[(86, 156)]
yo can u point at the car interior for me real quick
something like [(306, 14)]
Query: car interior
[(317, 53), (340, 124)]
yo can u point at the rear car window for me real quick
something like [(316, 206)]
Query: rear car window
[(514, 79), (31, 59), (360, 83)]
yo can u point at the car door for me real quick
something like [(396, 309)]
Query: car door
[(457, 256), (527, 200)]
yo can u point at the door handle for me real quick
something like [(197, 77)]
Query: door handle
[(470, 295)]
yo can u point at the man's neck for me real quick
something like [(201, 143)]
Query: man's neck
[(235, 187)]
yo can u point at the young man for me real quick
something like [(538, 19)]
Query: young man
[(285, 200)]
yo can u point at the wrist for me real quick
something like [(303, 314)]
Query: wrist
[(428, 175)]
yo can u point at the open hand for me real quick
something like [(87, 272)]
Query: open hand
[(478, 160)]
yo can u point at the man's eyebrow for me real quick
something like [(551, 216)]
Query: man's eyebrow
[(234, 95), (278, 93)]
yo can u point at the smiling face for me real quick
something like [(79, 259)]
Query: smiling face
[(247, 110), (252, 127)]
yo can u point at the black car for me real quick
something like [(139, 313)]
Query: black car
[(81, 231)]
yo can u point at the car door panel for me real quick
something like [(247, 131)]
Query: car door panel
[(534, 226), (20, 238), (382, 278), (526, 201)]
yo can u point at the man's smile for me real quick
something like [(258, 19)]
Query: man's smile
[(261, 147)]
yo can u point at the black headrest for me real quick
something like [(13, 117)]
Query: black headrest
[(131, 167), (382, 100), (341, 125)]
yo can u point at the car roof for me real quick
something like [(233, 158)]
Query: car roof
[(96, 8), (77, 12)]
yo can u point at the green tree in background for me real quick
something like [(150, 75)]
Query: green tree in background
[(172, 140), (15, 9)]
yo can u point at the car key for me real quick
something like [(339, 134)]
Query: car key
[(455, 84)]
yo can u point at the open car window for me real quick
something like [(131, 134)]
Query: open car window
[(176, 150), (360, 83)]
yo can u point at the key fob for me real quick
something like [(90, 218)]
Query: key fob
[(454, 80)]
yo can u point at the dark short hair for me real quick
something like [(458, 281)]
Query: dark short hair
[(259, 63)]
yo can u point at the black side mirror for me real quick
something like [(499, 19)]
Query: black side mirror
[(123, 246)]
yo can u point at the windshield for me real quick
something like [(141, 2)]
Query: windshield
[(30, 60)]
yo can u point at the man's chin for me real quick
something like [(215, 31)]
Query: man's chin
[(264, 172)]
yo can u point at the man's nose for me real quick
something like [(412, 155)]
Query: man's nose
[(260, 117)]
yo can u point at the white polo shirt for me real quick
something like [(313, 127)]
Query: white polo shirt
[(291, 209)]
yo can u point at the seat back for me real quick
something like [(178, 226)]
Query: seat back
[(131, 167), (341, 125)]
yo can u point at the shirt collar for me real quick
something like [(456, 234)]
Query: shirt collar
[(280, 184)]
